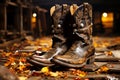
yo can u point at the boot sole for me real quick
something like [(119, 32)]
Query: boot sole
[(34, 62), (88, 61)]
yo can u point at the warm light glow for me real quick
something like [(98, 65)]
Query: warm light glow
[(34, 14), (105, 14), (107, 20), (33, 19)]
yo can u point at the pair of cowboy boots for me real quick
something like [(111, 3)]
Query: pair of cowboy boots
[(72, 37)]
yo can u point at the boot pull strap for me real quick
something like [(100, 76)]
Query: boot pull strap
[(65, 5), (54, 8), (73, 8), (89, 8), (65, 8)]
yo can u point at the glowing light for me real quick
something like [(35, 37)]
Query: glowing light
[(34, 14), (107, 19), (105, 14)]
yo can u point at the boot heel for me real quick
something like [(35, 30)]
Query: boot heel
[(90, 60)]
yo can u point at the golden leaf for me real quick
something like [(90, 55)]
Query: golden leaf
[(45, 70), (54, 74)]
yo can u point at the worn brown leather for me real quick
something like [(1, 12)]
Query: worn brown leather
[(60, 42), (82, 48)]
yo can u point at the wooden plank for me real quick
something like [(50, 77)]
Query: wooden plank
[(12, 3), (5, 44)]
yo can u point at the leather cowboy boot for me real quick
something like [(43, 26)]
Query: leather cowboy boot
[(60, 42), (82, 48)]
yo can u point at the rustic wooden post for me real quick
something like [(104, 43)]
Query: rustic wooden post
[(21, 19), (5, 17), (30, 17)]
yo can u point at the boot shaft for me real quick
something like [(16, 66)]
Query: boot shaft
[(56, 15), (83, 23), (62, 25), (59, 18)]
